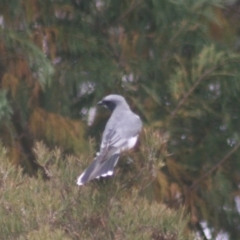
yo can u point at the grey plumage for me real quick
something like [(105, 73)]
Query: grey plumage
[(121, 133)]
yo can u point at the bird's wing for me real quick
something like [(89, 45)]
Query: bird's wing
[(112, 139), (120, 133)]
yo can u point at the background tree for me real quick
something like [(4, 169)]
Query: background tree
[(177, 62)]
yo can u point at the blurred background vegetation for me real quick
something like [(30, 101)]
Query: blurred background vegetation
[(177, 62)]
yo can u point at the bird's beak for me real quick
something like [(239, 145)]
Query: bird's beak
[(100, 103)]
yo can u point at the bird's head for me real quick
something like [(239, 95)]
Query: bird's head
[(112, 101)]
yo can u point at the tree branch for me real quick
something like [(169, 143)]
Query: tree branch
[(226, 157), (183, 100)]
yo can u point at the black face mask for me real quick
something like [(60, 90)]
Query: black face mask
[(108, 104)]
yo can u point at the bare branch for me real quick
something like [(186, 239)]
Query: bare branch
[(206, 174)]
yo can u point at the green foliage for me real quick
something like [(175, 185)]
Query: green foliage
[(38, 63), (32, 208), (176, 62), (5, 108)]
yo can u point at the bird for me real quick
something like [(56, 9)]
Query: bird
[(120, 134)]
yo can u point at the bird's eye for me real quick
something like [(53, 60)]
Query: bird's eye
[(110, 105)]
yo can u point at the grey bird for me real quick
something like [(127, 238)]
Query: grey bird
[(120, 134)]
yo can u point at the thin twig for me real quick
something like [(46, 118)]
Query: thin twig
[(183, 100), (129, 10), (226, 157), (178, 32)]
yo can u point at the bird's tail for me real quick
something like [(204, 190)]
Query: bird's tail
[(98, 169)]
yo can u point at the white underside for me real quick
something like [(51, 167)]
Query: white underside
[(132, 142)]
